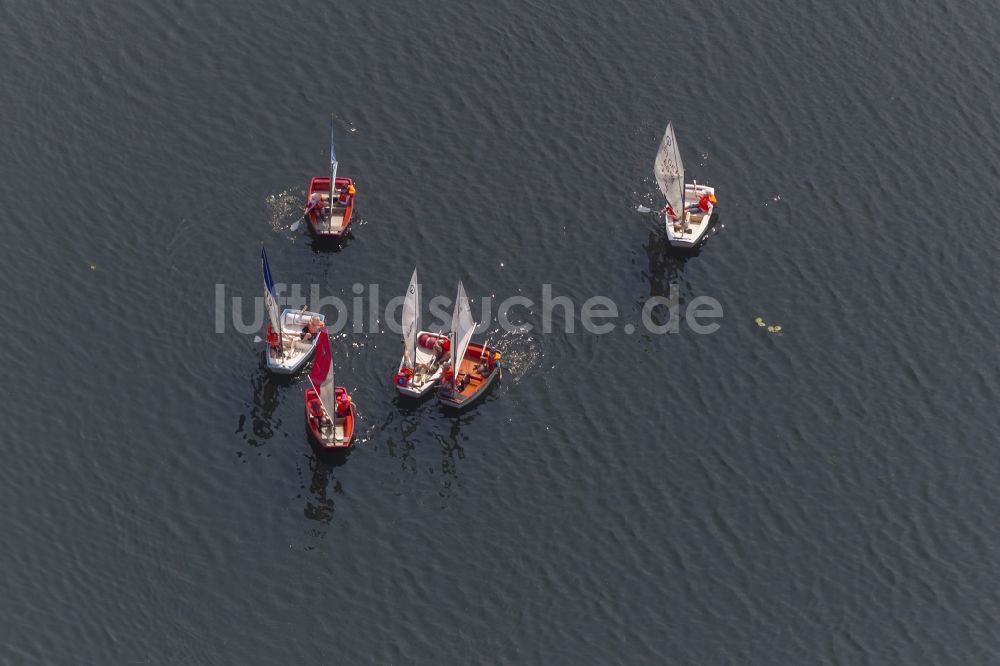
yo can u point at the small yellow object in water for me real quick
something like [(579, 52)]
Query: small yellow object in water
[(93, 267), (760, 321)]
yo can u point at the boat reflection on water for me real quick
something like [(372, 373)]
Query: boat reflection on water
[(266, 389), (666, 274), (323, 485)]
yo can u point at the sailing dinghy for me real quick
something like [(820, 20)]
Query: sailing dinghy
[(423, 352), (329, 408), (330, 200), (287, 349), (689, 205), (471, 368)]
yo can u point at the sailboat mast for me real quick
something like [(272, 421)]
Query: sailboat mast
[(416, 318), (333, 171)]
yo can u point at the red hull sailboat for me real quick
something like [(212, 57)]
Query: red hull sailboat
[(330, 200), (329, 409), (471, 368)]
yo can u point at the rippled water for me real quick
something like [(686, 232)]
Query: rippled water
[(820, 496)]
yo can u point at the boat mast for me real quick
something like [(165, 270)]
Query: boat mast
[(333, 172), (416, 318)]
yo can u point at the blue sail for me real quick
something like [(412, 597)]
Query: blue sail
[(270, 298)]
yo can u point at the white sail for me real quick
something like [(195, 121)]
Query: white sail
[(462, 328), (411, 321), (333, 166), (669, 171), (327, 394)]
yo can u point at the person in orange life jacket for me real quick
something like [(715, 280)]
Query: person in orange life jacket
[(346, 194), (404, 376), (316, 412), (441, 348), (311, 329), (273, 341), (448, 374), (343, 404), (316, 205), (704, 203)]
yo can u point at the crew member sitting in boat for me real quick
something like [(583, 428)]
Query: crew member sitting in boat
[(311, 329), (346, 194), (488, 364), (343, 403), (273, 341), (442, 346), (677, 221), (315, 205), (703, 204), (317, 413), (404, 376)]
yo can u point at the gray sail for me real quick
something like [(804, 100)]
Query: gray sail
[(411, 321), (462, 328), (669, 171)]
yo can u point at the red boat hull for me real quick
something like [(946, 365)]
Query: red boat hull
[(478, 382), (337, 222), (345, 421)]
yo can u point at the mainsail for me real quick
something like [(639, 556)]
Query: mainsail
[(462, 328), (411, 322), (333, 166), (669, 171), (270, 298), (321, 374)]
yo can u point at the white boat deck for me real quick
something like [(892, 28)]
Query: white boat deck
[(690, 232), (294, 351)]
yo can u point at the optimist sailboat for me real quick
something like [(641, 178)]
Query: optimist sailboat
[(329, 408), (286, 350), (685, 228), (330, 200), (423, 352), (471, 369)]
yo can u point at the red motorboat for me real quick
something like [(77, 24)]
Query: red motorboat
[(329, 408)]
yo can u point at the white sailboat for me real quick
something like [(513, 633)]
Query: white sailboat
[(685, 228), (285, 351), (420, 368)]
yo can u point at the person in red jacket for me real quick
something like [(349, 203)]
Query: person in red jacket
[(705, 202)]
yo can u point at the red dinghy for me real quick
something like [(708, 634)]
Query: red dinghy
[(330, 200), (329, 408), (324, 221), (471, 369)]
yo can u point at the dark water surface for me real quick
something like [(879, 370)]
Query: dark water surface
[(823, 496)]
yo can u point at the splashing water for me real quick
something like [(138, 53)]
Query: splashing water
[(284, 208)]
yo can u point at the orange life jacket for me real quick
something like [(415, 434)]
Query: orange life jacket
[(316, 409)]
